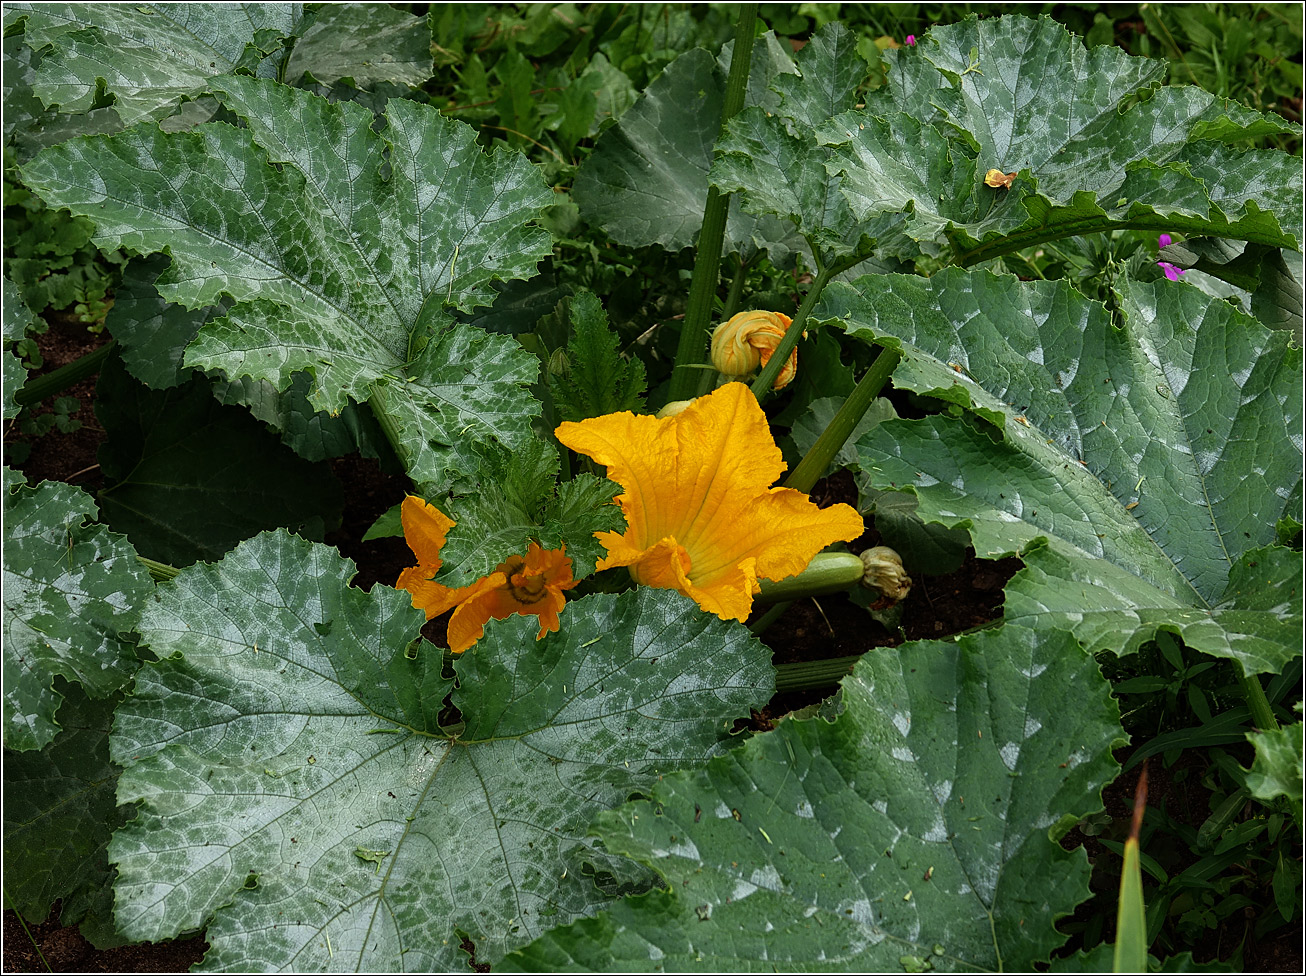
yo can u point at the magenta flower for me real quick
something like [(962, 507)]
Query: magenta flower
[(1172, 271), (911, 40)]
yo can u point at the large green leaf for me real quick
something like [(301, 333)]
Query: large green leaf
[(148, 56), (152, 336), (300, 800), (918, 826), (1154, 459), (365, 42), (22, 107), (18, 318), (334, 269), (152, 333), (769, 155), (312, 434), (60, 808), (28, 125), (71, 590), (187, 478), (1090, 154), (1277, 769), (646, 181)]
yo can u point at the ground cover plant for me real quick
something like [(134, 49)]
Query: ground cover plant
[(578, 287)]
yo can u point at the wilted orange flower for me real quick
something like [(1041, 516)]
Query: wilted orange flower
[(747, 340), (700, 513), (532, 584), (996, 178)]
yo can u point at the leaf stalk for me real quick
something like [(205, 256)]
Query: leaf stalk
[(813, 465), (48, 384), (762, 385), (159, 572), (707, 261), (1262, 714), (806, 675)]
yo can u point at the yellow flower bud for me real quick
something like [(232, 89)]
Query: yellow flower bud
[(747, 341), (996, 178)]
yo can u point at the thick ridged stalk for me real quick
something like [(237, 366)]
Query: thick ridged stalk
[(161, 572), (47, 385), (1262, 715), (707, 261), (813, 465), (804, 675)]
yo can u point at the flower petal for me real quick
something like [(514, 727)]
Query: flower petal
[(425, 529), (677, 471), (481, 599), (1172, 271), (530, 585), (783, 529), (664, 565), (428, 595)]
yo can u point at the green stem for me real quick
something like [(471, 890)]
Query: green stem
[(48, 384), (736, 289), (767, 619), (707, 261), (762, 385), (805, 675), (1262, 715), (161, 572), (980, 253), (812, 467)]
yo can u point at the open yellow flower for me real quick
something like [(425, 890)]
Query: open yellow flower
[(701, 516), (532, 584), (748, 340), (529, 585), (996, 178)]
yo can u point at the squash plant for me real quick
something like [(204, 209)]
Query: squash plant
[(294, 769)]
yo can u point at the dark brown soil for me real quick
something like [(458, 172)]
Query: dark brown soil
[(57, 456), (50, 947)]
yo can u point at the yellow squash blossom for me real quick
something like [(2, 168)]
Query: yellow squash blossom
[(532, 584), (749, 339), (996, 178), (701, 515)]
